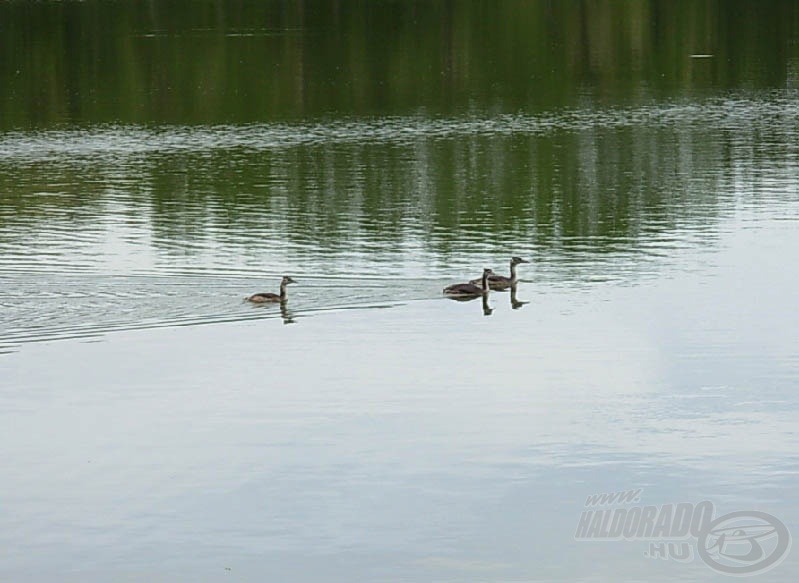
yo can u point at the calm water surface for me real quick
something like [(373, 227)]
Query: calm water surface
[(156, 426)]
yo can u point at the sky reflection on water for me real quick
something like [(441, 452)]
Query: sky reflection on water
[(156, 426)]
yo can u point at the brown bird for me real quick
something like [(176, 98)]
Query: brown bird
[(500, 281), (469, 290), (265, 297)]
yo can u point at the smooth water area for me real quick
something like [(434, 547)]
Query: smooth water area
[(155, 426)]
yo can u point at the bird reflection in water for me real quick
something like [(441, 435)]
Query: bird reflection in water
[(487, 309), (286, 314), (514, 302)]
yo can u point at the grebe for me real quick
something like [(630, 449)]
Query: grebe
[(500, 281), (269, 297), (469, 290)]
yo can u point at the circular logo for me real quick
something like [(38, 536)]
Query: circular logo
[(744, 543)]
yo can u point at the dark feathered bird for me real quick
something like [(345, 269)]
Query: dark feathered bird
[(265, 297), (500, 281), (460, 290)]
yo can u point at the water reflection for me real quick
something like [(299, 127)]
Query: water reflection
[(487, 310), (287, 315), (515, 303), (222, 198), (243, 62), (154, 176), (148, 215)]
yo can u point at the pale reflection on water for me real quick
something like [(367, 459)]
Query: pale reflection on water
[(389, 433), (117, 227)]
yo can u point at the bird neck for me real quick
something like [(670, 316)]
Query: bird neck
[(512, 270), (485, 282), (282, 290)]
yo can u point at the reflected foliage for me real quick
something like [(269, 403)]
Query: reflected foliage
[(234, 61), (602, 190), (570, 179)]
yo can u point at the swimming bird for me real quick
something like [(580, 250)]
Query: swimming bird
[(469, 290), (500, 281), (269, 297)]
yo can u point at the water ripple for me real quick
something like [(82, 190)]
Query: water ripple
[(46, 306), (111, 142)]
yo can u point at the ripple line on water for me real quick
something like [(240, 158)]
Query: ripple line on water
[(51, 306), (124, 141)]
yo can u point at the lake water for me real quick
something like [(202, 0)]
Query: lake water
[(158, 164)]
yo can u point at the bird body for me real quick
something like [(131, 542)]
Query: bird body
[(469, 290), (264, 298), (500, 282)]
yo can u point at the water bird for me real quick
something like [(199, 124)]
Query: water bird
[(262, 298), (469, 290), (500, 282)]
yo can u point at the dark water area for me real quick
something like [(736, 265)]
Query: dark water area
[(160, 162), (189, 62)]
